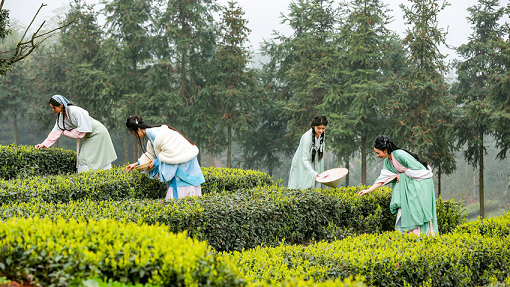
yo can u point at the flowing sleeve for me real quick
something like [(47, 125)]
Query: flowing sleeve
[(53, 136), (75, 134), (388, 173), (148, 155)]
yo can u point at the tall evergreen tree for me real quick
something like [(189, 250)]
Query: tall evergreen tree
[(87, 81), (354, 110), (47, 73), (306, 59), (186, 44), (422, 107), (14, 87), (128, 49), (477, 110), (234, 83), (500, 90)]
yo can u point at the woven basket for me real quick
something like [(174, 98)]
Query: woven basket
[(143, 166)]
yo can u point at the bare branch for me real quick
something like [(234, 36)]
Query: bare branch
[(26, 47)]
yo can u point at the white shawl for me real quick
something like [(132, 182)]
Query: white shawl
[(387, 176), (170, 147)]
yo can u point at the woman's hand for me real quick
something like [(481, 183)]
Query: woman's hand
[(131, 166), (397, 177), (364, 191), (372, 188), (151, 165), (38, 146)]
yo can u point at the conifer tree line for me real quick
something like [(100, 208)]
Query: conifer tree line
[(189, 63)]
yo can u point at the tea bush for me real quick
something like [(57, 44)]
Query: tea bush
[(388, 259), (117, 184), (113, 184), (243, 219), (349, 282), (60, 253), (219, 179), (22, 161)]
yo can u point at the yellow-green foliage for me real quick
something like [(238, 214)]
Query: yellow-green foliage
[(65, 252), (231, 179), (114, 184), (21, 161), (349, 282), (389, 259), (495, 227), (239, 220)]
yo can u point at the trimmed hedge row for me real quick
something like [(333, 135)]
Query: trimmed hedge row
[(61, 253), (231, 179), (247, 218), (25, 161), (113, 184), (117, 184), (22, 161), (389, 259), (349, 282), (68, 253), (494, 227)]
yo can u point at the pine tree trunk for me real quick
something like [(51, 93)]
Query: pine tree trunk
[(364, 160), (15, 130), (229, 148), (135, 151), (126, 147), (482, 201)]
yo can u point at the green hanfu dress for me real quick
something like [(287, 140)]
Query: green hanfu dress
[(303, 171), (413, 196)]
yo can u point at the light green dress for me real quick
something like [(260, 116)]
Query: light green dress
[(413, 196), (303, 171), (95, 150)]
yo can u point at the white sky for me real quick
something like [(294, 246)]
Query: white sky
[(264, 17)]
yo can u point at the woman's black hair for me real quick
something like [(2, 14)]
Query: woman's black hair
[(60, 116), (318, 121), (384, 142)]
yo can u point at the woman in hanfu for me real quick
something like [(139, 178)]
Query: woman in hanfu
[(308, 161), (172, 156), (413, 195), (94, 147)]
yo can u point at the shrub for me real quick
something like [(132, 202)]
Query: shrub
[(113, 184), (22, 161), (219, 179), (349, 282), (388, 259), (450, 214), (240, 220), (494, 227), (45, 252), (116, 184)]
